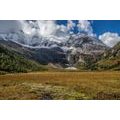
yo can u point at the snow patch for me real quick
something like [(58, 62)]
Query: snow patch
[(71, 68)]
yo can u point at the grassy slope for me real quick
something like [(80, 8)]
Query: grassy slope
[(12, 62), (60, 85), (111, 59)]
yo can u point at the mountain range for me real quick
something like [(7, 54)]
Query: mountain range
[(20, 53)]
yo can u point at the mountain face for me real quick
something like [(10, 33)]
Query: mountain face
[(84, 50), (10, 61), (110, 59), (41, 55), (79, 50)]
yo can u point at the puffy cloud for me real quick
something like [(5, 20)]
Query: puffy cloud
[(70, 25), (42, 28), (85, 26), (47, 27), (62, 28), (110, 39), (27, 27)]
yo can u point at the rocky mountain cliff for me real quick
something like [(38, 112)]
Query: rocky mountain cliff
[(110, 60), (78, 50), (84, 50)]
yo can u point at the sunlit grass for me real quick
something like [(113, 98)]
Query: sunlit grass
[(60, 85)]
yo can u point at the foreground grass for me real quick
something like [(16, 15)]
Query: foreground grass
[(60, 85)]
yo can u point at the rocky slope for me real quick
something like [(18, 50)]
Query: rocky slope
[(110, 59), (41, 55), (78, 50), (84, 51), (10, 61)]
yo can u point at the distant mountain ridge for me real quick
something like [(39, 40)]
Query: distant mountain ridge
[(80, 50), (84, 50)]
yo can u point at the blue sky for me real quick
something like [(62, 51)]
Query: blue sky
[(102, 26), (99, 26)]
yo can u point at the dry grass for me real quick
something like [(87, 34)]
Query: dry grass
[(60, 85)]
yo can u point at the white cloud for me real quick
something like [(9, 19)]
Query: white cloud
[(47, 27), (110, 39), (27, 27), (70, 25), (42, 28), (85, 26), (62, 28)]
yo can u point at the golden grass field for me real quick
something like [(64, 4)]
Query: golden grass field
[(60, 85)]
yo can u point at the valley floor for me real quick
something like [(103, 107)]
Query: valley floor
[(60, 85)]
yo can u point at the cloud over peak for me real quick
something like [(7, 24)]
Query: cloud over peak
[(70, 25), (45, 28), (85, 26), (110, 39), (42, 28)]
